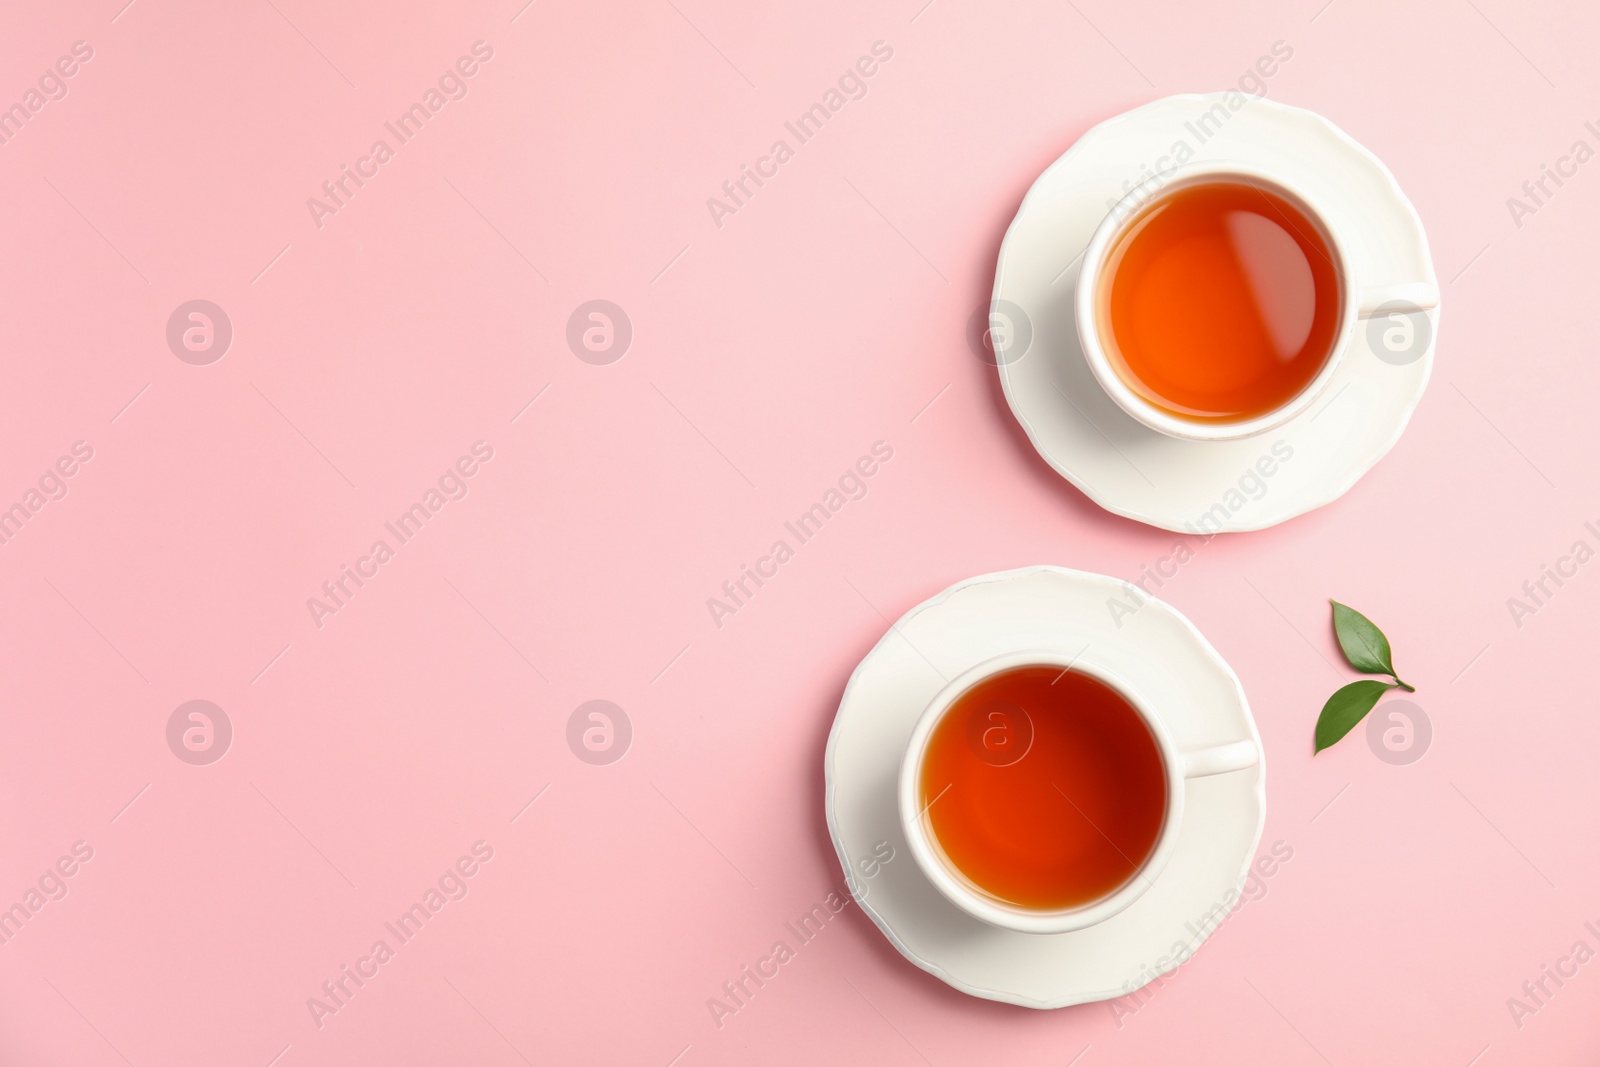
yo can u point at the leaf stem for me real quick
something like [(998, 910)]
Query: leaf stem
[(1402, 685)]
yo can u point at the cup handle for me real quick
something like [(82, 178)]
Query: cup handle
[(1220, 759), (1413, 296)]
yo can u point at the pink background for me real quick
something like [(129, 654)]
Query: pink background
[(768, 354)]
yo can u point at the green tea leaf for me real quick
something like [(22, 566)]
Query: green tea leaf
[(1363, 643), (1347, 707)]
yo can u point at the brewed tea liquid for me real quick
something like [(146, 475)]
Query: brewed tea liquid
[(1222, 302), (1044, 788)]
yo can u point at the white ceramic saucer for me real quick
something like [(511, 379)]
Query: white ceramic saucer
[(1156, 649), (1135, 471)]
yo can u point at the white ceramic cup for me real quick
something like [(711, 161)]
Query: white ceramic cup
[(965, 894), (1356, 301)]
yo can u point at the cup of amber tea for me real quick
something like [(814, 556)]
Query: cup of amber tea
[(1043, 794), (1215, 302)]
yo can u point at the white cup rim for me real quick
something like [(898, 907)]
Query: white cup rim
[(930, 858), (1112, 227)]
